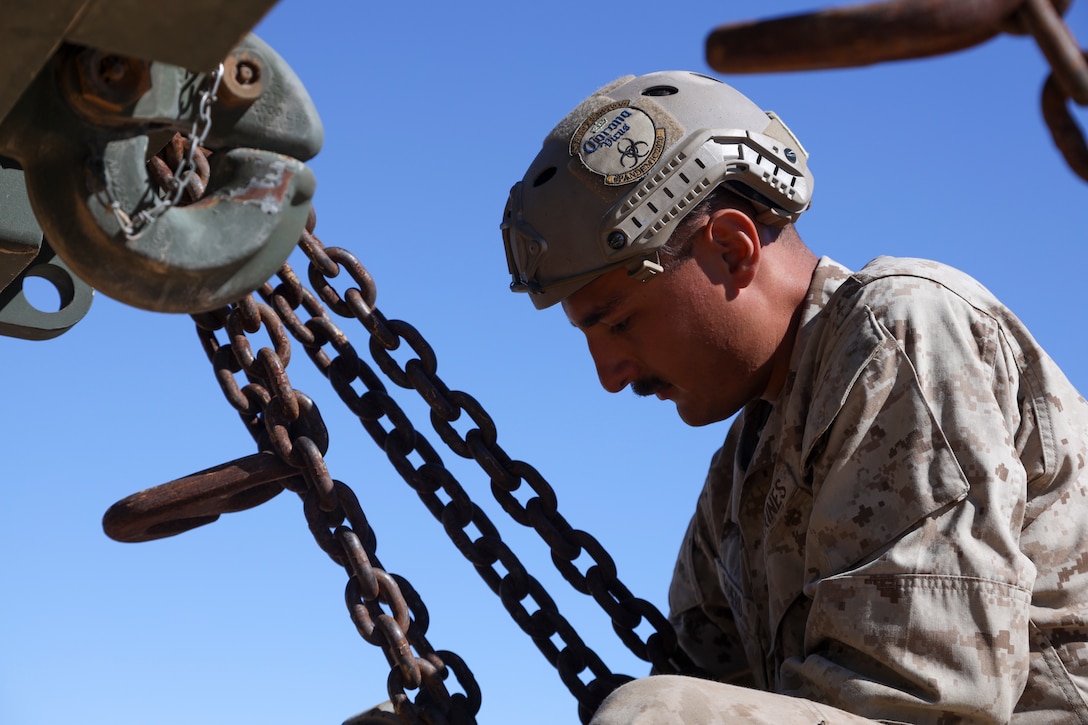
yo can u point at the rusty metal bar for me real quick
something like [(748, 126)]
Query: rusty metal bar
[(857, 35), (1059, 47), (1064, 129), (196, 500)]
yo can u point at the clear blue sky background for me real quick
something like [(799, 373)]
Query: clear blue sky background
[(431, 111)]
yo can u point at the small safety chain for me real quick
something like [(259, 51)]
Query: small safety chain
[(186, 178)]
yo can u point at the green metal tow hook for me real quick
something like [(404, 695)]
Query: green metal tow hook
[(84, 131)]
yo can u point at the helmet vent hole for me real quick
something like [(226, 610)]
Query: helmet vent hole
[(661, 91), (544, 176)]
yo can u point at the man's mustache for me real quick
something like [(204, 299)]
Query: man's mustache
[(648, 386)]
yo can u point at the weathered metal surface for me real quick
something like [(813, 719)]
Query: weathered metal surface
[(381, 715), (160, 31), (1070, 66)]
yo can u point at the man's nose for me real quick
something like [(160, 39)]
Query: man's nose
[(615, 368)]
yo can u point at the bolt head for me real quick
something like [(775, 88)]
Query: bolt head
[(109, 82), (243, 78), (617, 240)]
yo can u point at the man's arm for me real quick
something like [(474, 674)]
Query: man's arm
[(920, 594)]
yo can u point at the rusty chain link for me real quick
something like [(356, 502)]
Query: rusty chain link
[(903, 29)]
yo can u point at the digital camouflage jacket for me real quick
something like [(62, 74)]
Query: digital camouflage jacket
[(903, 534)]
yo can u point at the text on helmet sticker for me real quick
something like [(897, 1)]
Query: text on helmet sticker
[(619, 142)]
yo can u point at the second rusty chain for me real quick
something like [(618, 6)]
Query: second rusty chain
[(479, 444), (862, 35)]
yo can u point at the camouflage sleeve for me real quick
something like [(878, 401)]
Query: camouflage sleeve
[(698, 610), (919, 591)]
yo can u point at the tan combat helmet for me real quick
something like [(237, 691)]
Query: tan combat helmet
[(616, 175)]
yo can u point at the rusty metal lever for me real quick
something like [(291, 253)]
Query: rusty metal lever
[(186, 503), (904, 29), (856, 35)]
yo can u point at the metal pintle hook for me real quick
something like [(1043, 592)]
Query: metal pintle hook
[(83, 133)]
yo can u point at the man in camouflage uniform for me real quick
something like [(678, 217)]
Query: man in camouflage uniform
[(896, 528)]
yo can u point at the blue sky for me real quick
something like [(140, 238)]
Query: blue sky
[(431, 111)]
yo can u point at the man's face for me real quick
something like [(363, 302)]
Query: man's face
[(683, 336)]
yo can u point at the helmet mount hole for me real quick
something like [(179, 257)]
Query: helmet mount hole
[(543, 176), (661, 91)]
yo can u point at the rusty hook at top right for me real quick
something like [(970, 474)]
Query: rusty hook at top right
[(862, 35)]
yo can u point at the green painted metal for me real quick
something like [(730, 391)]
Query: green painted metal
[(194, 34), (24, 254), (20, 235), (21, 317)]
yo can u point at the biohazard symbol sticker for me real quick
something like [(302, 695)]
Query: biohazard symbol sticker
[(619, 142)]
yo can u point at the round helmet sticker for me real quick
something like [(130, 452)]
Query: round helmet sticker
[(619, 142)]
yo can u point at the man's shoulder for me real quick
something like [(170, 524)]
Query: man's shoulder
[(911, 286), (906, 275)]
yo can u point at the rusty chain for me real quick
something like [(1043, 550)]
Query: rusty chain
[(337, 360), (904, 29), (385, 608), (292, 439)]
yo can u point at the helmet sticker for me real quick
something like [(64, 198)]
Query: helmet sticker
[(619, 142)]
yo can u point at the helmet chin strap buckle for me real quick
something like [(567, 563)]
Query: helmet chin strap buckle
[(645, 270)]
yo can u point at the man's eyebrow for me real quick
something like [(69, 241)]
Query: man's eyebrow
[(595, 315)]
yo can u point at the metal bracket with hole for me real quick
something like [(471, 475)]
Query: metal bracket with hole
[(26, 255)]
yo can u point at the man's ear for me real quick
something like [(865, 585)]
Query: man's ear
[(734, 237)]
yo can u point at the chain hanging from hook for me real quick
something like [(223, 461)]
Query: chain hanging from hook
[(292, 440)]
